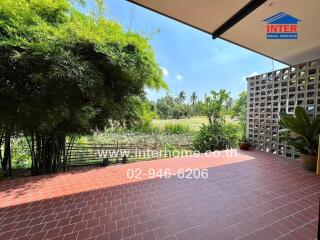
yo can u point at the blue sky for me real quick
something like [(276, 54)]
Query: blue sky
[(191, 60)]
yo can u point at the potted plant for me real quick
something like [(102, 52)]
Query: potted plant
[(302, 132), (244, 144)]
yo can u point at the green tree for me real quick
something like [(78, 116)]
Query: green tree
[(182, 96), (179, 111), (146, 114), (164, 106), (217, 135), (239, 108), (239, 111), (215, 106), (193, 101), (64, 73)]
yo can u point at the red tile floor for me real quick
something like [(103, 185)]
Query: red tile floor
[(247, 195)]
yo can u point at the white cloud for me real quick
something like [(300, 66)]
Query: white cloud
[(253, 74), (165, 71), (249, 75), (179, 77)]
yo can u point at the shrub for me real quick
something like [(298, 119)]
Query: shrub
[(21, 158), (216, 136)]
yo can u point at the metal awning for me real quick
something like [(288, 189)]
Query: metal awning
[(242, 22)]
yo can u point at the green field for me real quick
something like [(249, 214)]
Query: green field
[(194, 122), (159, 137)]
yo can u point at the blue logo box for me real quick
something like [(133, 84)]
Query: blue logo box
[(282, 35)]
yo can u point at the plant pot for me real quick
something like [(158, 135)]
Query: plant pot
[(244, 145), (125, 159), (105, 162), (309, 162)]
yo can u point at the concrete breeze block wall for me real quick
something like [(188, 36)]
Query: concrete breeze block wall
[(277, 92)]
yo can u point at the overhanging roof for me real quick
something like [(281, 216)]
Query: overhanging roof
[(250, 32)]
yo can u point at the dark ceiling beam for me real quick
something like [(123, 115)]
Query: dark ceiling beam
[(242, 13)]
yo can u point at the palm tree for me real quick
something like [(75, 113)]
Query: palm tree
[(193, 100), (182, 96)]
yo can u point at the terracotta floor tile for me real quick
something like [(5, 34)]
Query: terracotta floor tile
[(247, 195)]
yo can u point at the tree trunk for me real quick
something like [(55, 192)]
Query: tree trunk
[(47, 152), (6, 159), (1, 142)]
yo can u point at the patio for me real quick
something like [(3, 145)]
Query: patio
[(252, 195)]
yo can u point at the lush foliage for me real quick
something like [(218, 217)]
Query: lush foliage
[(170, 107), (300, 131), (239, 113), (239, 108), (218, 134), (146, 115), (64, 73), (165, 133), (216, 106)]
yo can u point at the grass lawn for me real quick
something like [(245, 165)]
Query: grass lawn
[(193, 122)]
